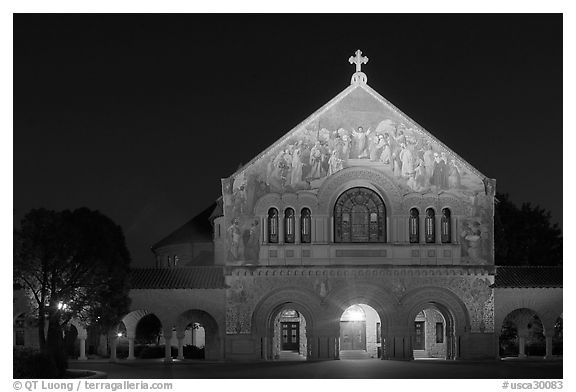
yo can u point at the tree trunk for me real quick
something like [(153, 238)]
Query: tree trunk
[(41, 325), (55, 343)]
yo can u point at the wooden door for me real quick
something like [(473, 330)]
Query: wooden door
[(353, 335), (290, 336), (419, 340)]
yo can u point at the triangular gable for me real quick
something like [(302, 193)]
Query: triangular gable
[(298, 127), (385, 102), (347, 110)]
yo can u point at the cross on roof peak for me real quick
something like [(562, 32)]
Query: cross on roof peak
[(358, 59)]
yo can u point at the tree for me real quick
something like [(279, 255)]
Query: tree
[(72, 264), (525, 235), (148, 330)]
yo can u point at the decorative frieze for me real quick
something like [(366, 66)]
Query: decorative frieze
[(249, 286)]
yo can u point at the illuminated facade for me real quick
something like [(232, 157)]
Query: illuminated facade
[(358, 233)]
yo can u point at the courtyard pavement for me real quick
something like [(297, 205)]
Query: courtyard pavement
[(419, 369)]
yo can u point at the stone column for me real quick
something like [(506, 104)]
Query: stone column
[(456, 347), (180, 338), (264, 222), (280, 227), (438, 227), (312, 347), (422, 228), (82, 356), (521, 345), (548, 337), (337, 348), (113, 344), (297, 229), (168, 345), (131, 356), (330, 234)]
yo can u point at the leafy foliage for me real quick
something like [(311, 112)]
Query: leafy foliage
[(31, 363), (148, 330), (72, 264), (525, 235)]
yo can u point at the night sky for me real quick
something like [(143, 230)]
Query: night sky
[(140, 116)]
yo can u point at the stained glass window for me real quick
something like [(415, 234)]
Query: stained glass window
[(429, 222), (360, 216), (414, 225), (289, 226), (305, 224), (273, 225), (445, 224)]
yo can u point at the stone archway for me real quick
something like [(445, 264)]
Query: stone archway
[(289, 338), (130, 323), (81, 335), (431, 331), (213, 341), (522, 334), (265, 314), (452, 309), (371, 295)]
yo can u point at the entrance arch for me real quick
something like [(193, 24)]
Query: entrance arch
[(289, 340), (430, 334), (265, 315), (212, 341), (129, 329), (360, 333), (455, 317), (384, 304), (522, 334)]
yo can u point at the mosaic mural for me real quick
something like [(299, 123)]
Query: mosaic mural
[(357, 131), (246, 291)]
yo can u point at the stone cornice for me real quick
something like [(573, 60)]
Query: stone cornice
[(366, 272)]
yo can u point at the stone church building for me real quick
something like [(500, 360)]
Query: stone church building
[(358, 234)]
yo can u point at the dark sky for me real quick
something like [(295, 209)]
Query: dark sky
[(139, 116)]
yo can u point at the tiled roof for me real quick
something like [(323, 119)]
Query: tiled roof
[(528, 277), (197, 229), (178, 278)]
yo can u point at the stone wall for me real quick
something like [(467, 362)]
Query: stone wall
[(397, 294), (434, 349), (371, 319)]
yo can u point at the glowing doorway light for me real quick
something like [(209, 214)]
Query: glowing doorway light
[(353, 313)]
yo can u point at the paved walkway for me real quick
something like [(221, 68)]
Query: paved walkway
[(434, 369)]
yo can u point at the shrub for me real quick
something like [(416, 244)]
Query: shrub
[(31, 363), (193, 352)]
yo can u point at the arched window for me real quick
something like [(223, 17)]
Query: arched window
[(359, 216), (273, 226), (429, 224), (305, 225), (445, 224), (414, 226), (289, 226)]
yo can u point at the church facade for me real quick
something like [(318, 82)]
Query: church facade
[(358, 233), (358, 205)]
